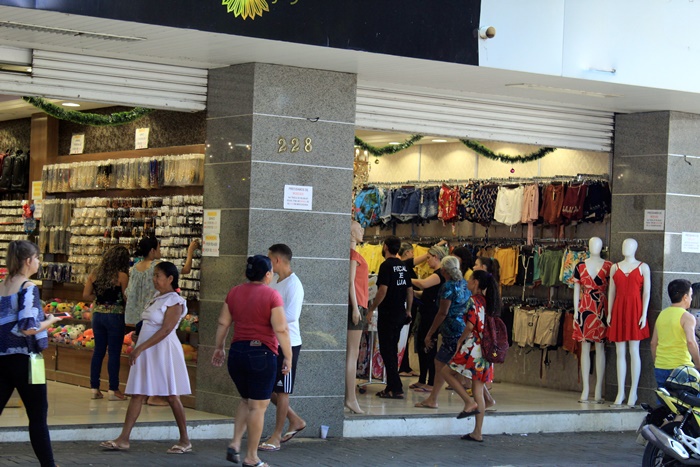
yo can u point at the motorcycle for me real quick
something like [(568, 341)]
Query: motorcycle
[(673, 429)]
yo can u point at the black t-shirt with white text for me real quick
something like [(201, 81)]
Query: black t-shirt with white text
[(394, 274)]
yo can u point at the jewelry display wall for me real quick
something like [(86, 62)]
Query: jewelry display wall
[(111, 174), (11, 224)]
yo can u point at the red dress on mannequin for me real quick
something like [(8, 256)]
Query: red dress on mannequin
[(627, 307)]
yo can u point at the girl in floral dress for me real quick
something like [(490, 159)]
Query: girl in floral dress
[(469, 361)]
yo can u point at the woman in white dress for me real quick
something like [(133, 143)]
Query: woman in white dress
[(158, 362)]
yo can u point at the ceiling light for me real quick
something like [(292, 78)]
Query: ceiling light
[(70, 104), (394, 143), (69, 32), (538, 87), (439, 141)]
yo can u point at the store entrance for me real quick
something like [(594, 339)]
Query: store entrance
[(469, 194)]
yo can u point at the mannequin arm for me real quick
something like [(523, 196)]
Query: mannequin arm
[(646, 294), (611, 292), (353, 293), (577, 296)]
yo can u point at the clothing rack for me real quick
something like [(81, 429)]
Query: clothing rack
[(505, 180)]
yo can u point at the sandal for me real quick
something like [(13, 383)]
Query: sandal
[(96, 394), (232, 455), (259, 464), (389, 395), (112, 446), (177, 449)]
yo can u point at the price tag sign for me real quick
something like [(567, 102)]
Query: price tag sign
[(210, 245), (211, 223), (142, 138), (298, 197), (77, 144)]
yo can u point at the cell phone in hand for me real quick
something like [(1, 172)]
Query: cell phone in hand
[(63, 315)]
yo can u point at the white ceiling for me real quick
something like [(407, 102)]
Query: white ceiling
[(208, 50)]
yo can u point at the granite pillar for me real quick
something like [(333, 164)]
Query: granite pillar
[(656, 163), (254, 112)]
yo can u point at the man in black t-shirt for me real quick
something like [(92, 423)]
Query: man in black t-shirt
[(394, 298)]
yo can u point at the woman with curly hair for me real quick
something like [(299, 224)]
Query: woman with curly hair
[(106, 286)]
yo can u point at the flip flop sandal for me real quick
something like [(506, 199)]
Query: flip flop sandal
[(291, 434), (177, 449), (259, 464), (112, 446), (469, 438), (421, 389), (268, 447), (422, 405), (232, 455), (415, 386)]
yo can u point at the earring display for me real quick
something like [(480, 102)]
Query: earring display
[(11, 224), (141, 173)]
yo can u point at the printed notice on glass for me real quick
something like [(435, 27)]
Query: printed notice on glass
[(298, 197), (77, 144), (690, 242), (654, 219), (210, 245), (37, 191), (211, 224), (142, 138)]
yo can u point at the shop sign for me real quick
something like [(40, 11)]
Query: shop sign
[(210, 245), (654, 219), (141, 140), (298, 197), (690, 242), (37, 191), (77, 144)]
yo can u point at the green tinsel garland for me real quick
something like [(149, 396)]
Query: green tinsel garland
[(489, 154), (84, 118), (390, 149)]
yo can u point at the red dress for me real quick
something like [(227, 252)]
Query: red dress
[(593, 303), (627, 307)]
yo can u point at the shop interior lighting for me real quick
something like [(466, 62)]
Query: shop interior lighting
[(394, 143), (69, 32), (70, 104), (538, 87), (439, 141)]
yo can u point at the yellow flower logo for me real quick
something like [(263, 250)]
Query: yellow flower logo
[(246, 8)]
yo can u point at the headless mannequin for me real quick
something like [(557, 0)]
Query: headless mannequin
[(593, 265), (627, 265), (352, 350)]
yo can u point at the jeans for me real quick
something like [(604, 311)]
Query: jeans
[(428, 208), (109, 334), (426, 359), (661, 376), (388, 334), (14, 374)]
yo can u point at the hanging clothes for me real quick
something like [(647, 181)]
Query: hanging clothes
[(531, 205), (509, 205), (552, 202)]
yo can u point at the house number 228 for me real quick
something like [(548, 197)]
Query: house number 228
[(294, 145)]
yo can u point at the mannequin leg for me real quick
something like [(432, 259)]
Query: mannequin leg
[(352, 352), (585, 370), (621, 350), (635, 370), (599, 370)]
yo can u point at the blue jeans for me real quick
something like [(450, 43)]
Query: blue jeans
[(109, 334), (661, 376)]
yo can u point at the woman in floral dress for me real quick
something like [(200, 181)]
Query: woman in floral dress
[(468, 361)]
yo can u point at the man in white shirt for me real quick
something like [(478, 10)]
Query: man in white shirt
[(289, 286)]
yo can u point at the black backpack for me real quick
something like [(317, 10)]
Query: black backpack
[(20, 172), (6, 177)]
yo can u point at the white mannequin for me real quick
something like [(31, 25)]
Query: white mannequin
[(627, 265), (593, 265), (353, 342)]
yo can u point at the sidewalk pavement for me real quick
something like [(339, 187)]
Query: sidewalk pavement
[(566, 449)]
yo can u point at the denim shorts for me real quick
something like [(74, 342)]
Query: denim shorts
[(447, 349), (428, 208), (405, 203), (253, 367)]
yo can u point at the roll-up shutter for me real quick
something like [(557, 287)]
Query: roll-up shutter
[(433, 113), (97, 79)]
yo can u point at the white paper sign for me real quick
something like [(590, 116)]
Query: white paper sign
[(38, 209), (77, 144), (298, 197), (211, 224), (210, 245), (142, 138), (690, 242), (654, 219)]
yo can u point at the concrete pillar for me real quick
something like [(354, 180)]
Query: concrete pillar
[(656, 165), (251, 109)]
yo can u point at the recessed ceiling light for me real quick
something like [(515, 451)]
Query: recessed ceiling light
[(538, 87), (439, 141), (70, 104), (394, 143)]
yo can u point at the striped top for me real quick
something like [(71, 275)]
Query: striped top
[(21, 312)]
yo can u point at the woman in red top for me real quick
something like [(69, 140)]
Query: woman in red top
[(260, 328)]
